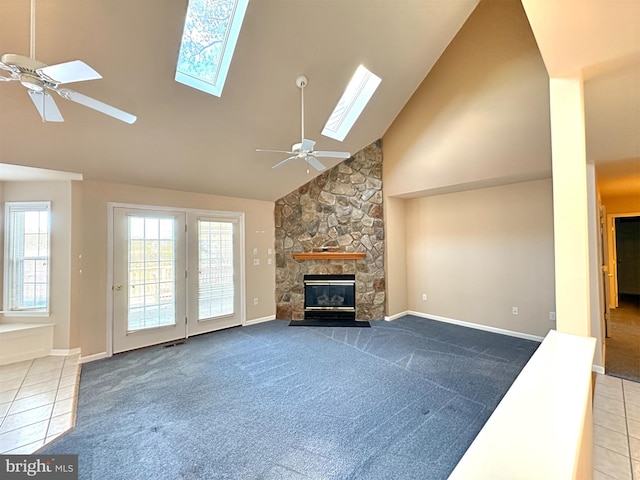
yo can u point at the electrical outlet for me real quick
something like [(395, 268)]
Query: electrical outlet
[(268, 261), (256, 261), (255, 251), (514, 310), (552, 316), (255, 301), (269, 251), (424, 297)]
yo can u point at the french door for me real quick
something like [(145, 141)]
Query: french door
[(175, 274)]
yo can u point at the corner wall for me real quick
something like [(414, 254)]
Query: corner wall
[(479, 253)]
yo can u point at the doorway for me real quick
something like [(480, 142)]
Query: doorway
[(174, 274), (623, 339)]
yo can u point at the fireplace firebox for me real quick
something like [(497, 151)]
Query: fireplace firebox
[(330, 297)]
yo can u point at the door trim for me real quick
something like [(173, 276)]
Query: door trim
[(612, 254), (111, 206)]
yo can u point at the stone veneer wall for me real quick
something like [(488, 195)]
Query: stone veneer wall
[(342, 209)]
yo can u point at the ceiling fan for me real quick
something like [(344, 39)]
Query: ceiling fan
[(304, 150), (40, 80)]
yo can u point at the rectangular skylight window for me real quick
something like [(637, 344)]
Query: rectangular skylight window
[(211, 30), (356, 96)]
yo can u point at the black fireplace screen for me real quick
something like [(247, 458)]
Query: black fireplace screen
[(329, 292)]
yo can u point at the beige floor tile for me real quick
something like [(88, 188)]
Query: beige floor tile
[(608, 404), (37, 389), (608, 380), (12, 375), (39, 378), (601, 476), (34, 401), (11, 384), (611, 463), (633, 411), (63, 406), (633, 428), (66, 392), (8, 396), (70, 370), (636, 469), (610, 391), (609, 420), (4, 408), (27, 449), (610, 439), (634, 448), (60, 424), (28, 417), (15, 366), (68, 380), (23, 436)]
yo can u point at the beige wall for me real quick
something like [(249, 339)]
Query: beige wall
[(259, 231), (478, 253), (464, 127), (622, 204), (395, 262), (59, 194)]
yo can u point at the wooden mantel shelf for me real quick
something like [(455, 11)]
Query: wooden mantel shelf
[(329, 255)]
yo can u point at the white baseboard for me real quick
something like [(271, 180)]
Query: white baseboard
[(478, 326), (95, 356), (597, 369), (391, 318), (253, 321), (64, 352)]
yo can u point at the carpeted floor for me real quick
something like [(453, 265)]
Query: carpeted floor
[(399, 400), (623, 345)]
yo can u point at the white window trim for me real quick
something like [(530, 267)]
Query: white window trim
[(24, 206)]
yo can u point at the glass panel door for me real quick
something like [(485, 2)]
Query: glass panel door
[(149, 291)]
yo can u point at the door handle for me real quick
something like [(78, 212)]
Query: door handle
[(117, 287)]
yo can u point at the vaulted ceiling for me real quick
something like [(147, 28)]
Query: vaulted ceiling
[(187, 140)]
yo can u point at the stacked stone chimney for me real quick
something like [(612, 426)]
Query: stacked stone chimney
[(340, 210)]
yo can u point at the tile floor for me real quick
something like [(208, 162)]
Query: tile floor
[(616, 429), (38, 401)]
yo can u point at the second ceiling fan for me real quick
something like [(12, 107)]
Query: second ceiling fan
[(305, 149)]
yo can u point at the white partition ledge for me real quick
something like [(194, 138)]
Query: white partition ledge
[(542, 426), (25, 341)]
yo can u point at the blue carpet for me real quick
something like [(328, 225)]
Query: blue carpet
[(400, 400)]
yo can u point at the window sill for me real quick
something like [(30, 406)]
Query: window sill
[(18, 313)]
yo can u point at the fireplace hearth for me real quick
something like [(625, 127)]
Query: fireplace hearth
[(330, 297)]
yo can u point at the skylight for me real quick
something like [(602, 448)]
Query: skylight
[(211, 30), (356, 96)]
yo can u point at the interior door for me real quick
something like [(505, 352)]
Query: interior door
[(149, 269), (214, 272)]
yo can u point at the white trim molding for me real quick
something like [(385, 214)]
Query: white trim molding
[(95, 356), (254, 321), (597, 369), (64, 352), (391, 318), (478, 326)]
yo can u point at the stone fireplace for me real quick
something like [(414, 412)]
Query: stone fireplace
[(333, 225)]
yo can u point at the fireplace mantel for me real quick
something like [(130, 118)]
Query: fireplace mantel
[(329, 255)]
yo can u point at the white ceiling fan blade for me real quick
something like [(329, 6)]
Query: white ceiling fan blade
[(75, 71), (326, 154), (46, 106), (307, 145), (6, 79), (97, 105), (276, 151), (315, 163), (286, 160)]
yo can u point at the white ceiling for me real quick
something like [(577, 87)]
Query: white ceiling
[(187, 140)]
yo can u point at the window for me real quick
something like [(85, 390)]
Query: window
[(26, 281), (359, 91), (215, 268), (211, 30)]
